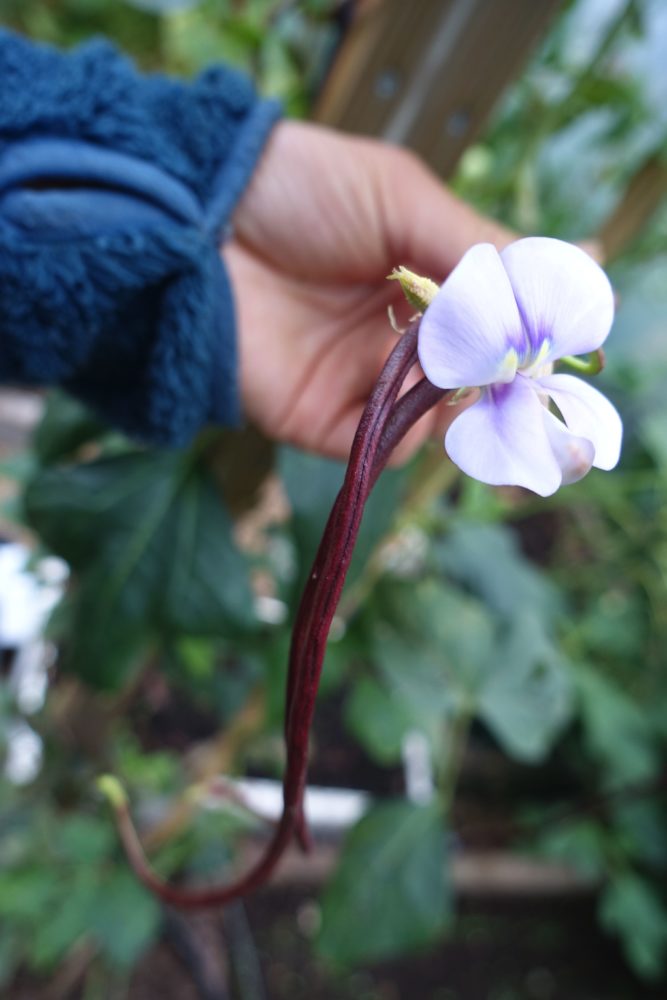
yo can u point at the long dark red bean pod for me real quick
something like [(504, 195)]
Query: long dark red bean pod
[(327, 577), (383, 423)]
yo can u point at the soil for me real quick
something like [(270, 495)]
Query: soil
[(500, 950)]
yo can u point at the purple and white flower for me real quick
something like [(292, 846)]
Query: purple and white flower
[(499, 322)]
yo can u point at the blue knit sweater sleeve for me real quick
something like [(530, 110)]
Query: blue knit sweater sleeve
[(116, 190)]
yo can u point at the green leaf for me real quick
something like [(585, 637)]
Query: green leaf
[(111, 907), (125, 919), (26, 893), (441, 653), (614, 624), (526, 698), (434, 643), (653, 432), (65, 426), (581, 843), (101, 644), (420, 677), (279, 72), (312, 484), (486, 558), (77, 900), (10, 954), (390, 893), (379, 719), (19, 467), (340, 654), (632, 909), (157, 772), (152, 546), (197, 657), (84, 839), (641, 824), (428, 644), (618, 733)]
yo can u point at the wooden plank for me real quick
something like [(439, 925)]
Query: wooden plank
[(479, 873), (374, 64), (427, 74), (643, 196)]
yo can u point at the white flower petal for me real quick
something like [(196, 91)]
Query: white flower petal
[(471, 334), (573, 454), (502, 439), (588, 414), (562, 294)]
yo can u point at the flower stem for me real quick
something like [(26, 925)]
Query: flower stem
[(407, 411), (383, 424), (325, 583)]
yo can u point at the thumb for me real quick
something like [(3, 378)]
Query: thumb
[(428, 227)]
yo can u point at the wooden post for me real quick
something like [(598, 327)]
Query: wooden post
[(426, 74), (643, 195)]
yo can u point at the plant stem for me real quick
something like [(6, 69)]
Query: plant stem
[(456, 743)]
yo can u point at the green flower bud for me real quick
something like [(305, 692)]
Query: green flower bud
[(419, 291), (112, 790)]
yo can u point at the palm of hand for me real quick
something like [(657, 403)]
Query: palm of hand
[(324, 221), (310, 352)]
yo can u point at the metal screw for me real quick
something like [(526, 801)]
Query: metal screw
[(457, 124), (386, 84)]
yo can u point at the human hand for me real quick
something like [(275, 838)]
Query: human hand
[(325, 219)]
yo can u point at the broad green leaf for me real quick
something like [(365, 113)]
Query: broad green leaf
[(379, 719), (152, 547), (440, 653), (390, 893), (641, 823), (632, 909), (428, 645), (27, 892), (111, 907), (101, 644), (65, 426), (581, 843), (126, 919), (19, 467), (618, 734), (526, 698), (614, 624), (486, 558), (77, 901), (83, 839), (419, 676), (433, 642)]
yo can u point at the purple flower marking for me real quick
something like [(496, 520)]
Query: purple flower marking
[(499, 322)]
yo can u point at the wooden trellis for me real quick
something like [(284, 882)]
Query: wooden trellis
[(426, 74), (643, 195)]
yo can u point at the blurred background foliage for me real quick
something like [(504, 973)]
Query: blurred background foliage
[(488, 622)]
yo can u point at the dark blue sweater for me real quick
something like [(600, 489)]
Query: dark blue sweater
[(116, 191)]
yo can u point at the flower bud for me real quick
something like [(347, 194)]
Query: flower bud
[(419, 291), (112, 790)]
